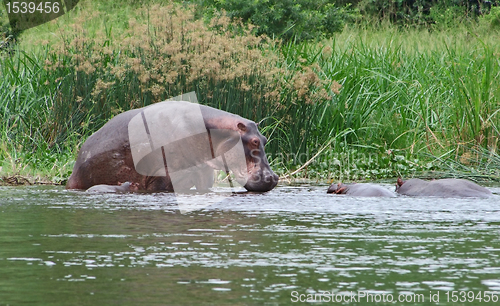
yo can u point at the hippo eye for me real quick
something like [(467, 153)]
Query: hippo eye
[(255, 142)]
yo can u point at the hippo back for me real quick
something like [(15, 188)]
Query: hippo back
[(360, 190), (105, 156), (449, 188), (368, 190)]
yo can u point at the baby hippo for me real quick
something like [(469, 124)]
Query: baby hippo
[(121, 187), (446, 188), (360, 190)]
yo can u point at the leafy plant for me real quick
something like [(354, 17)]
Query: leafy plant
[(289, 19), (493, 18)]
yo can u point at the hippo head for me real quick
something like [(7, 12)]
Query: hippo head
[(260, 177), (337, 188), (184, 140), (242, 148)]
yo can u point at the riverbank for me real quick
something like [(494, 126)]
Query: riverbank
[(367, 104)]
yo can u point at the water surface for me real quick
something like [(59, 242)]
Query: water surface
[(61, 247)]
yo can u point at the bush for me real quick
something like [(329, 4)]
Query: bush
[(424, 12), (287, 19), (493, 18), (8, 37), (310, 19)]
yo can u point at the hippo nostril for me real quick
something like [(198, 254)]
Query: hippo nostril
[(270, 177)]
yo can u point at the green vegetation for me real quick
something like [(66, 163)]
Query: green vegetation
[(305, 19), (421, 93), (374, 102), (287, 19)]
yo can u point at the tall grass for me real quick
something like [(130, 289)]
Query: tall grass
[(427, 95), (28, 142), (378, 103)]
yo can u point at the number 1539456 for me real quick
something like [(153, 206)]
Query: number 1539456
[(32, 7), (471, 296)]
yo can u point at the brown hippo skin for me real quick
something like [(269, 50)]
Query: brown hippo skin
[(447, 188), (106, 157), (360, 190), (121, 187)]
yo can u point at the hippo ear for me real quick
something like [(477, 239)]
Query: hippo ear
[(341, 190), (400, 182), (242, 127)]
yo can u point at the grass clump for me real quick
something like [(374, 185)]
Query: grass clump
[(28, 140)]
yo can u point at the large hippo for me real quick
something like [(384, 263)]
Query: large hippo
[(448, 188), (172, 146), (360, 190), (120, 188)]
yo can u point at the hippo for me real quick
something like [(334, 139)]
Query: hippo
[(120, 188), (360, 190), (174, 144), (447, 188)]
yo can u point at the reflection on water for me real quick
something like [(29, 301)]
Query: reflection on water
[(64, 247)]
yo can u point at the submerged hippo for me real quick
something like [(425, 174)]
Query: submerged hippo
[(121, 187), (448, 188), (172, 146), (360, 190)]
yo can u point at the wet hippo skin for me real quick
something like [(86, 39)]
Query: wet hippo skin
[(360, 190), (448, 188), (106, 156)]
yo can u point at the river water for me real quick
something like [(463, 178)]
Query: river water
[(60, 247)]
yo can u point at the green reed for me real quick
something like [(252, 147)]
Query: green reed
[(427, 95)]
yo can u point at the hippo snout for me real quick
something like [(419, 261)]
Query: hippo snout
[(273, 179), (262, 182)]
